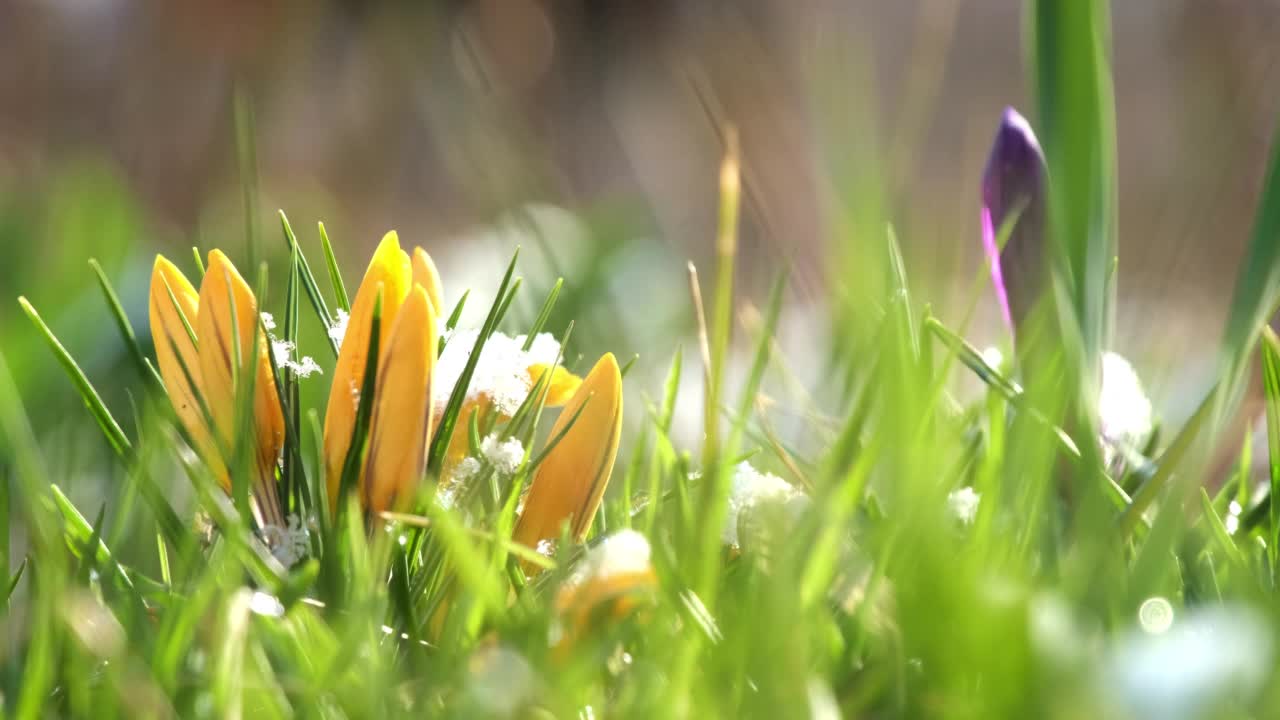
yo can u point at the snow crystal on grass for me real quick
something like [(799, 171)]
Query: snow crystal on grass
[(283, 352), (288, 544), (751, 489), (338, 330), (468, 468), (963, 504), (623, 553), (504, 455), (1124, 412), (502, 372)]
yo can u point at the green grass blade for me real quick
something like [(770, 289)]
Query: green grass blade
[(247, 161), (144, 368), (15, 579), (544, 314), (1257, 287), (335, 274), (1270, 346), (1219, 530), (309, 280), (449, 418), (92, 400), (1077, 122)]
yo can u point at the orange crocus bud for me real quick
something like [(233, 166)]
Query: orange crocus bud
[(228, 319), (401, 420), (571, 480), (174, 304), (389, 276)]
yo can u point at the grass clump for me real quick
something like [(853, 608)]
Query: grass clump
[(432, 543)]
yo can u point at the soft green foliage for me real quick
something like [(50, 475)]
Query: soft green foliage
[(877, 595)]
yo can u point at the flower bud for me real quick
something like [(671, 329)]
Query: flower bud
[(401, 420), (228, 319), (571, 480), (1013, 191), (389, 275)]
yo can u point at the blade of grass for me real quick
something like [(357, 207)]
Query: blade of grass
[(449, 418), (144, 368), (92, 400), (1257, 288), (335, 275), (1270, 347), (309, 281), (247, 161), (543, 315), (1219, 531), (726, 248)]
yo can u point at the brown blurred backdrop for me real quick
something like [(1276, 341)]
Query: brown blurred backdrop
[(436, 118)]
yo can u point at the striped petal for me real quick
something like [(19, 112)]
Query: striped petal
[(227, 320), (173, 308), (571, 480), (426, 275), (401, 421), (389, 276)]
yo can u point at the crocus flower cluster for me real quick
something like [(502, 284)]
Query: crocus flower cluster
[(399, 301)]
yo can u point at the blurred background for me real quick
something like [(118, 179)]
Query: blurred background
[(590, 132)]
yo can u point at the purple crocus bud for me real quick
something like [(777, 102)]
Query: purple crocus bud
[(1013, 186)]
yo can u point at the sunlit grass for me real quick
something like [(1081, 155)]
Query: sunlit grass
[(462, 521)]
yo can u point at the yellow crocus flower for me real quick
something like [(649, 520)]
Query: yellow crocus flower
[(571, 480), (389, 276), (212, 370), (173, 307), (400, 423), (401, 420)]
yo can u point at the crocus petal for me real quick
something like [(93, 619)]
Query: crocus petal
[(219, 332), (174, 304), (1013, 185), (571, 480), (563, 383), (389, 276), (610, 581), (426, 275), (401, 421)]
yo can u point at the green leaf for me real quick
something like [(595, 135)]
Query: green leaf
[(449, 417), (1257, 288), (92, 400), (1219, 530), (1077, 123), (247, 161), (144, 368), (1270, 346), (309, 281), (543, 315), (335, 275)]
